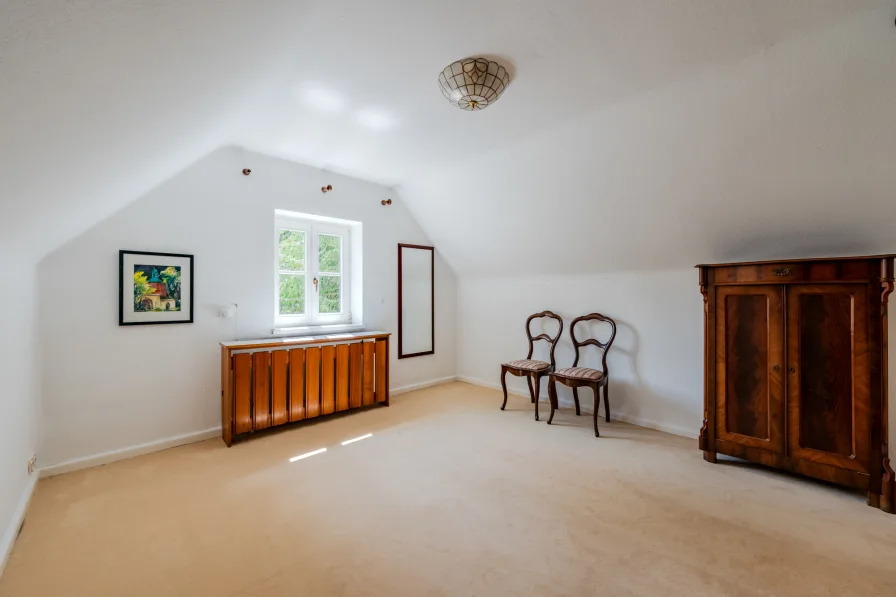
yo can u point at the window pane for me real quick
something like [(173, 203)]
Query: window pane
[(292, 294), (330, 294), (292, 250), (330, 252)]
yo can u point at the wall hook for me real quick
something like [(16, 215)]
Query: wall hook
[(246, 172), (386, 202), (326, 189)]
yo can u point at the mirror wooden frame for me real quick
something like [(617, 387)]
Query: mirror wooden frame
[(432, 280)]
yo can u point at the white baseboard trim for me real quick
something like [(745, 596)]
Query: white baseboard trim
[(180, 440), (8, 540), (491, 385), (130, 452), (421, 385), (619, 416)]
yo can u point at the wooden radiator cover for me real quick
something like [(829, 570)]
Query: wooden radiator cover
[(265, 383)]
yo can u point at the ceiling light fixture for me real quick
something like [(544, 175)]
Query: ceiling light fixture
[(473, 83)]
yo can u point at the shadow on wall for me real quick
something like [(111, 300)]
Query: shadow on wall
[(632, 398), (788, 243)]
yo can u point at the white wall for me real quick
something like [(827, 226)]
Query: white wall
[(108, 387), (655, 363), (19, 396)]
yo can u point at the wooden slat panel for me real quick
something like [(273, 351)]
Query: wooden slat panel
[(296, 384), (355, 370), (242, 393), (279, 362), (261, 383), (226, 397), (382, 362), (327, 379), (341, 377), (368, 373), (312, 382)]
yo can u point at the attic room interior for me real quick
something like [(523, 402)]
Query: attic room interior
[(400, 298)]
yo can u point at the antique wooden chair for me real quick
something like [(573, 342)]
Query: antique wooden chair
[(528, 368), (576, 377)]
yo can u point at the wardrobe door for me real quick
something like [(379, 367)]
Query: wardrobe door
[(750, 366), (828, 374)]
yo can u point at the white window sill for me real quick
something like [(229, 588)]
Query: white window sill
[(310, 330)]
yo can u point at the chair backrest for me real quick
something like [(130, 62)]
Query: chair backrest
[(543, 336), (604, 346)]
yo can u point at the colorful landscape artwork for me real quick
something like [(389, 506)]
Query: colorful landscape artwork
[(157, 288), (154, 288)]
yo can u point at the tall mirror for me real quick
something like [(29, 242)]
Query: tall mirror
[(416, 301)]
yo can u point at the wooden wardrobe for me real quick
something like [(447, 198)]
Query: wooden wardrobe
[(796, 368)]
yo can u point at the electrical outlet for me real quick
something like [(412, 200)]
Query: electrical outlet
[(32, 464)]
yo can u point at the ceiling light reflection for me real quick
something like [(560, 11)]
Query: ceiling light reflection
[(323, 99), (377, 120), (356, 439), (307, 454)]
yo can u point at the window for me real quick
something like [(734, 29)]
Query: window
[(313, 280)]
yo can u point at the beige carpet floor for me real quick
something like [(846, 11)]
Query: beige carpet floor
[(450, 497)]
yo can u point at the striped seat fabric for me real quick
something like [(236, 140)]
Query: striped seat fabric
[(579, 373), (527, 365)]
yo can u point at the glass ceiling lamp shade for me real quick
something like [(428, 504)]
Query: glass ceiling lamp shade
[(473, 83)]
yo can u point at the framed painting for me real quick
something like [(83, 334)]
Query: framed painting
[(154, 288)]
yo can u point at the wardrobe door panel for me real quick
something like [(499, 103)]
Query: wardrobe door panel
[(828, 374), (750, 365)]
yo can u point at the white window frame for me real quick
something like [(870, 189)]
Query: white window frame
[(314, 226)]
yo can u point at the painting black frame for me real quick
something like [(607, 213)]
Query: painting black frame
[(121, 254)]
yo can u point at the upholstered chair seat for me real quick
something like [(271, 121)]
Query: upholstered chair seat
[(579, 373), (528, 365)]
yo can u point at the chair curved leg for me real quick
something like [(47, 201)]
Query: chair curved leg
[(607, 400), (531, 393), (535, 399), (575, 397), (504, 386), (552, 397), (596, 404)]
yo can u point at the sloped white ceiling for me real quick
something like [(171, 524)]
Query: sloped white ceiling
[(100, 100), (788, 153), (634, 134)]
